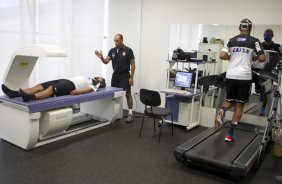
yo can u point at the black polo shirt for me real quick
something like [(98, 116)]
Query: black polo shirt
[(273, 46), (121, 60)]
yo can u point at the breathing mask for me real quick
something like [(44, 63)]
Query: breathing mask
[(267, 37)]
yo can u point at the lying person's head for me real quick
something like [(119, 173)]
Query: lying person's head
[(101, 80)]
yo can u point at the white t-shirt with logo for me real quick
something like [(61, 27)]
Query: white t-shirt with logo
[(241, 49), (82, 82)]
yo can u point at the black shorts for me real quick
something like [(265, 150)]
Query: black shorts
[(60, 86), (121, 82), (238, 90)]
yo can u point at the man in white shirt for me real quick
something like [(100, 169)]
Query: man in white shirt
[(239, 51), (72, 86)]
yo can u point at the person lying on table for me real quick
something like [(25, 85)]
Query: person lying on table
[(72, 86)]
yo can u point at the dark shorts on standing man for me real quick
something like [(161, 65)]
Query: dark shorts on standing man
[(60, 86), (238, 90), (121, 81)]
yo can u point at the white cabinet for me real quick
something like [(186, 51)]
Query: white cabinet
[(187, 114)]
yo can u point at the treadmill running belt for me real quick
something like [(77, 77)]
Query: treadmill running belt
[(218, 153)]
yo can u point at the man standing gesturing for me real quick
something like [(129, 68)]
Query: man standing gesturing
[(123, 63)]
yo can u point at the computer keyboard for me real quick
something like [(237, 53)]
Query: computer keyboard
[(178, 91)]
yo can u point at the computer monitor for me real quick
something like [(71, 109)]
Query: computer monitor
[(271, 60), (183, 79)]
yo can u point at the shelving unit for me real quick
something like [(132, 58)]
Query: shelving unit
[(212, 50), (186, 108)]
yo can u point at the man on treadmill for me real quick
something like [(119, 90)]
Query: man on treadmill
[(240, 51)]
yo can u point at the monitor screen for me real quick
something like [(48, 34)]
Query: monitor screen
[(271, 60), (183, 79)]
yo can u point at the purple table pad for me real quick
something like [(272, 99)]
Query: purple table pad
[(62, 101)]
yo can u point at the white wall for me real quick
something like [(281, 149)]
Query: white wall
[(125, 17), (157, 15)]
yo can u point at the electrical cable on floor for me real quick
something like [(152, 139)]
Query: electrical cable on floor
[(135, 94)]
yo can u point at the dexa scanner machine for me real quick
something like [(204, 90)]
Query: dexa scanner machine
[(35, 123)]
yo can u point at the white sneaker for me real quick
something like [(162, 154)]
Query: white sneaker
[(129, 118)]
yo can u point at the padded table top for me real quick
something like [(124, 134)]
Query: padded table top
[(62, 101)]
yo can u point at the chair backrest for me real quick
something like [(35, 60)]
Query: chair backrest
[(149, 97)]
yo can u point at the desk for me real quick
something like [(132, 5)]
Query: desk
[(185, 108)]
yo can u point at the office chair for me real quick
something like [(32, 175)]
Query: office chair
[(151, 100)]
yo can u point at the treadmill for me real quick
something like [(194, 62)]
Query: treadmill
[(209, 149)]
